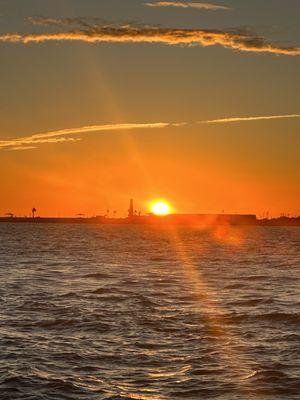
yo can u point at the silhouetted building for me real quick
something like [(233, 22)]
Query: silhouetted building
[(134, 217), (131, 209)]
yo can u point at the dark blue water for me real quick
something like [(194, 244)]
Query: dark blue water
[(100, 312)]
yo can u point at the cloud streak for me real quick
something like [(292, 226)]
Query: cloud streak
[(79, 30), (61, 136), (21, 148), (198, 6), (246, 119)]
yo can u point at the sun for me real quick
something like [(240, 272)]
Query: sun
[(160, 207)]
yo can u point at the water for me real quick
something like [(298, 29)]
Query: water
[(116, 312)]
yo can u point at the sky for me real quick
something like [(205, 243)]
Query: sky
[(194, 102)]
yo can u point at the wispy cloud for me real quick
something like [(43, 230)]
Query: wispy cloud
[(188, 4), (59, 136), (21, 148), (245, 119), (96, 32)]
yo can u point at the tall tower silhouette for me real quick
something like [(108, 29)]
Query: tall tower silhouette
[(131, 209)]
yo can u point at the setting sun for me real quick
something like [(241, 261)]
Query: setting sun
[(160, 208)]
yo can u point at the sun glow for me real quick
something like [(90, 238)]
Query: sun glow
[(160, 207)]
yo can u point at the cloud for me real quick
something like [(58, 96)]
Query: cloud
[(181, 4), (59, 135), (62, 22), (21, 148), (80, 30), (244, 119)]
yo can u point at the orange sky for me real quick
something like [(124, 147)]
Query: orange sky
[(198, 175), (244, 166)]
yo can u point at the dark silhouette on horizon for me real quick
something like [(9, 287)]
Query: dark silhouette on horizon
[(136, 218), (131, 209)]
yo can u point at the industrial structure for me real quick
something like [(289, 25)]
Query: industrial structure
[(135, 218)]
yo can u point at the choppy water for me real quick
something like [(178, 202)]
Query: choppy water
[(101, 312)]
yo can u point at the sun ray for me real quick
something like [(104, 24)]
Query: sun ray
[(214, 314)]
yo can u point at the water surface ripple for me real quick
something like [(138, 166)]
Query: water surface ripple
[(116, 312)]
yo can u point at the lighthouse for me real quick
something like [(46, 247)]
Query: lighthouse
[(131, 209)]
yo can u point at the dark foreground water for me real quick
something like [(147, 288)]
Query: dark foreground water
[(101, 312)]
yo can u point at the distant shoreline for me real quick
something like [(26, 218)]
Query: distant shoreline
[(173, 219)]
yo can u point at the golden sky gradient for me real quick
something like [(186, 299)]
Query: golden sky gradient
[(195, 104)]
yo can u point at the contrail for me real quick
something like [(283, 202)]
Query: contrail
[(243, 119), (59, 135)]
